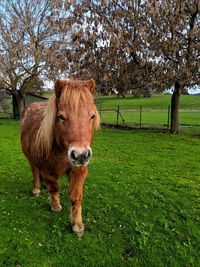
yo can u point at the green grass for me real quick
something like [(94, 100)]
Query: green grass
[(141, 204), (160, 101), (154, 111), (133, 118)]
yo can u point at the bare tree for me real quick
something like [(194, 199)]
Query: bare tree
[(28, 44)]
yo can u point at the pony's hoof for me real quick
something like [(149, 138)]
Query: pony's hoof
[(78, 229), (56, 207), (36, 192)]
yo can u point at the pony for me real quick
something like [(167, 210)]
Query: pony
[(56, 139)]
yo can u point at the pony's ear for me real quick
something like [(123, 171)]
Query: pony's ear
[(59, 85), (92, 86)]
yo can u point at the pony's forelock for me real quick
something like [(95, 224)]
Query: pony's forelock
[(76, 95)]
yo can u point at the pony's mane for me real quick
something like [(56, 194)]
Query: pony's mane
[(74, 95), (44, 138)]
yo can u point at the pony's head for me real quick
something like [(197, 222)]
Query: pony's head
[(71, 117)]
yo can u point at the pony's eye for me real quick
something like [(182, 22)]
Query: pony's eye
[(61, 117), (92, 116)]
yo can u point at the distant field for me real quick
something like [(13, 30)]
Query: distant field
[(160, 101), (141, 205), (153, 111)]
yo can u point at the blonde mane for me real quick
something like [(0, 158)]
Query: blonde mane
[(74, 95), (44, 138)]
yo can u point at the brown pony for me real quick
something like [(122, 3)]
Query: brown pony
[(56, 138)]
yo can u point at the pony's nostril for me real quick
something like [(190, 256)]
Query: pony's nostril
[(74, 154), (87, 153)]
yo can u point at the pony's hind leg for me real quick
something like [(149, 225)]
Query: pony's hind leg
[(36, 181), (53, 188)]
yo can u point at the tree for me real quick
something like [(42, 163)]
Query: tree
[(173, 32), (28, 44), (108, 45), (139, 45)]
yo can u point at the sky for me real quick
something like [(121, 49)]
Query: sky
[(50, 86)]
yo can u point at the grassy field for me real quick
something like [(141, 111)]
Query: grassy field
[(141, 205), (152, 118), (160, 101), (155, 111)]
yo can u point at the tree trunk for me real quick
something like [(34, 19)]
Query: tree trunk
[(174, 129), (18, 104)]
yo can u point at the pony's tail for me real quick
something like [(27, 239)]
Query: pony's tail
[(45, 134)]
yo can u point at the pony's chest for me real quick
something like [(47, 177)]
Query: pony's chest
[(57, 165)]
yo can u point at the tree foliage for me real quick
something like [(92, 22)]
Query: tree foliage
[(142, 46), (137, 44)]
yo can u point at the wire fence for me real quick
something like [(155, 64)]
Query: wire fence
[(148, 117), (6, 111)]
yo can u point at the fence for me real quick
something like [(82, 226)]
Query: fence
[(141, 116), (9, 107), (5, 106), (147, 117)]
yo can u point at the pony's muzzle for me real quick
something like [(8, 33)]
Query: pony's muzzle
[(79, 157)]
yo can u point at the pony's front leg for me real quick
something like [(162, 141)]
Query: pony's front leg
[(36, 181), (53, 188), (76, 180)]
